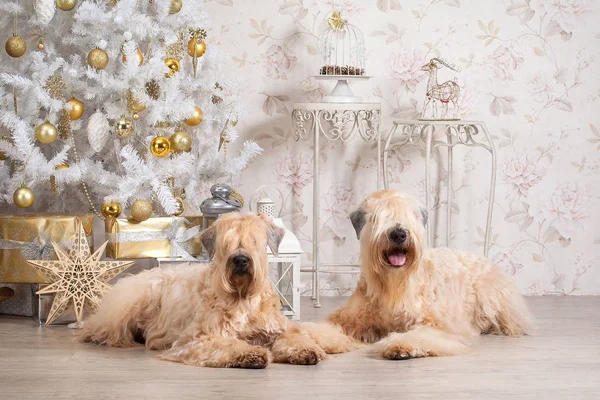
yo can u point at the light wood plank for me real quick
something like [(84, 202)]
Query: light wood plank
[(562, 361)]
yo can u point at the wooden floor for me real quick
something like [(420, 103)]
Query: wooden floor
[(562, 361)]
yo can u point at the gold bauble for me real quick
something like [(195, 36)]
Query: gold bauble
[(198, 47), (77, 109), (141, 210), (180, 141), (46, 133), (136, 106), (138, 55), (61, 166), (15, 46), (175, 6), (111, 210), (135, 116), (66, 5), (97, 58), (40, 44), (160, 146), (180, 208), (23, 197), (173, 65), (123, 126), (196, 118)]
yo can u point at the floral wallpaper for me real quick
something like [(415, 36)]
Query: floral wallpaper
[(528, 68)]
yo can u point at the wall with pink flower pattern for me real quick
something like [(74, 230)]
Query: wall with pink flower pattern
[(529, 68)]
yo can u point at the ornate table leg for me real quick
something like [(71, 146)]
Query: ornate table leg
[(316, 204), (449, 172), (488, 224), (429, 129)]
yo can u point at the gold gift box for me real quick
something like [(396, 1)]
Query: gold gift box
[(148, 239), (17, 231)]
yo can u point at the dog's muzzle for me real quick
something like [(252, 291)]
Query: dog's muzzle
[(396, 256), (241, 265)]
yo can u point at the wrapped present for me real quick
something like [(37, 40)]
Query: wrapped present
[(173, 237), (29, 237)]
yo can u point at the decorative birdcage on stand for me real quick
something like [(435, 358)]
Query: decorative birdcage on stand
[(343, 58)]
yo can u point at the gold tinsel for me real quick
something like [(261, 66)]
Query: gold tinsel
[(64, 125), (55, 86), (153, 89), (176, 49)]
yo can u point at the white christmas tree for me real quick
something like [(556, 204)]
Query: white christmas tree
[(114, 101)]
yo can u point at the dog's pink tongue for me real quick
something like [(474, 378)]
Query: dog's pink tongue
[(397, 260)]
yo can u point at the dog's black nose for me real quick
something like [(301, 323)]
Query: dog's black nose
[(398, 235), (241, 263)]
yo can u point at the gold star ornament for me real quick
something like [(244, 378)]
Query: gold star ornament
[(78, 277)]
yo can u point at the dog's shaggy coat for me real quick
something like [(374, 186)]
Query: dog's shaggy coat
[(225, 314), (422, 302)]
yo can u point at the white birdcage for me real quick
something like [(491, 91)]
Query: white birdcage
[(342, 58)]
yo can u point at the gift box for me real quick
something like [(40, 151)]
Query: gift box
[(29, 237), (162, 237)]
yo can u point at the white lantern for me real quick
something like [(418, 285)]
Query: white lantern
[(266, 207)]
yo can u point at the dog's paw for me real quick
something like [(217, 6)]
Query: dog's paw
[(254, 360), (401, 352), (306, 356)]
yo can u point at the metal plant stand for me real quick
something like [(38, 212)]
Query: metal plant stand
[(334, 121), (420, 133)]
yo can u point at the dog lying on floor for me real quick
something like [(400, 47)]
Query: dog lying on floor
[(422, 302), (225, 314)]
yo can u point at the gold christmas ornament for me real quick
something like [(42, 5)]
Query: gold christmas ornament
[(97, 58), (40, 44), (77, 109), (173, 65), (23, 197), (15, 46), (61, 166), (196, 118), (175, 6), (135, 116), (160, 146), (55, 86), (111, 210), (66, 5), (133, 105), (46, 133), (141, 210), (181, 141), (197, 47), (123, 126), (64, 125), (79, 278), (153, 89), (180, 208), (138, 55)]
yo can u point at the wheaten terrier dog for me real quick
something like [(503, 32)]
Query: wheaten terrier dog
[(223, 314), (423, 302)]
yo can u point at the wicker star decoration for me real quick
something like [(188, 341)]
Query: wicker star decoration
[(78, 277)]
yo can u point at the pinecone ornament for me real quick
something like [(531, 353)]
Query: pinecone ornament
[(98, 131)]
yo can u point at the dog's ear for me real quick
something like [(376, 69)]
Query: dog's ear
[(424, 215), (209, 238), (358, 219), (275, 235)]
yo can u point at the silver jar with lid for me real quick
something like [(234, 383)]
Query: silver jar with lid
[(221, 202)]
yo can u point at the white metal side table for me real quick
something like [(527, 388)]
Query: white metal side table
[(334, 121), (420, 133)]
